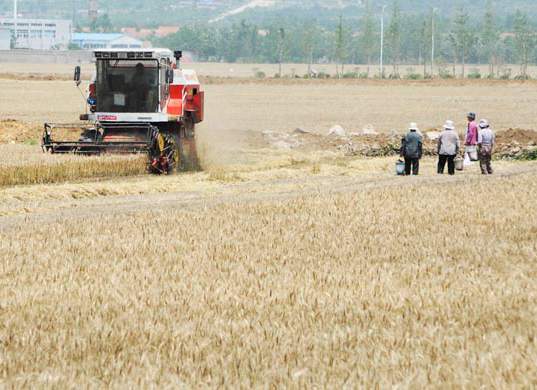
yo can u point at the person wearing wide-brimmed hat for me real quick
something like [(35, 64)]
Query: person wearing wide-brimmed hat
[(412, 149), (485, 146), (448, 148)]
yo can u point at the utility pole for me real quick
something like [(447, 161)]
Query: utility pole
[(432, 41), (382, 43), (15, 29)]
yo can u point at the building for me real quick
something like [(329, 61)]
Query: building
[(5, 39), (90, 41), (38, 34)]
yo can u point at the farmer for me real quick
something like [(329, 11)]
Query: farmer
[(140, 85), (472, 132), (485, 146), (412, 149), (448, 148)]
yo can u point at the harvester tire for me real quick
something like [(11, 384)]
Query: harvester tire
[(163, 154)]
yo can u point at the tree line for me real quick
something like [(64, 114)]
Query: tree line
[(409, 39)]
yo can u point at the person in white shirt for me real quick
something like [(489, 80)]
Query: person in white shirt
[(485, 146), (449, 145)]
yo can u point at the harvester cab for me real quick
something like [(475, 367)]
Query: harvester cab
[(139, 101)]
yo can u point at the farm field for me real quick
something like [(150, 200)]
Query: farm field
[(312, 105), (281, 264), (212, 69)]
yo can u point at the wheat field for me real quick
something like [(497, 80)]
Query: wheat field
[(271, 268), (243, 70), (26, 164), (283, 105), (376, 286)]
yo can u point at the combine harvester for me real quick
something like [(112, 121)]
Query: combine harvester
[(140, 101)]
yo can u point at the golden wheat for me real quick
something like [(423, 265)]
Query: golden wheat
[(389, 286), (273, 268), (25, 165)]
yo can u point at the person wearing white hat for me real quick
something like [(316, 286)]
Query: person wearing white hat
[(412, 150), (485, 145), (448, 147)]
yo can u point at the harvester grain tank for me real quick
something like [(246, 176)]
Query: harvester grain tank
[(139, 101)]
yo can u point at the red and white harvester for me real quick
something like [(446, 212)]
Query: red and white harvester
[(140, 101)]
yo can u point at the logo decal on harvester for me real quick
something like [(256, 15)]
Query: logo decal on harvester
[(107, 117)]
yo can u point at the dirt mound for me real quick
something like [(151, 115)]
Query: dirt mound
[(511, 144), (520, 136), (517, 144), (12, 131)]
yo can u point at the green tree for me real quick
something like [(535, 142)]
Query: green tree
[(462, 37), (489, 37), (524, 41), (308, 44), (367, 35), (281, 49), (425, 43), (101, 24), (394, 38), (104, 23), (341, 49)]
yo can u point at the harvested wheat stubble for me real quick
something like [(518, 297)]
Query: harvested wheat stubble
[(288, 105), (15, 131), (375, 288)]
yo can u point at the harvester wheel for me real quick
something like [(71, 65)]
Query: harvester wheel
[(162, 154), (186, 156)]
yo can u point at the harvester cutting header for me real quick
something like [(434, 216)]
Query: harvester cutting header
[(139, 101)]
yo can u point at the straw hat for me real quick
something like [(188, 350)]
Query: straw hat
[(414, 126), (449, 125)]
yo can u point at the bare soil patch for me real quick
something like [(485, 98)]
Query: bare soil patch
[(511, 144)]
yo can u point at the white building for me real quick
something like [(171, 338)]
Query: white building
[(39, 34), (105, 41), (5, 39)]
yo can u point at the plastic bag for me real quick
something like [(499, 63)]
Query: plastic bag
[(467, 160), (471, 151)]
